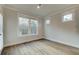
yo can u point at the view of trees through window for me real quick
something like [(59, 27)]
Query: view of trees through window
[(34, 25), (23, 25), (27, 26)]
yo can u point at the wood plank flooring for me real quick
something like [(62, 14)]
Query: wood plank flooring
[(40, 47)]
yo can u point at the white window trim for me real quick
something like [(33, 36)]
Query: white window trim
[(67, 15), (29, 28), (36, 27)]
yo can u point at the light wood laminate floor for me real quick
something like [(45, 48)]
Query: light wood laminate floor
[(40, 47)]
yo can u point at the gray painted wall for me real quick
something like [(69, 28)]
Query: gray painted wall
[(11, 29), (63, 32), (66, 33)]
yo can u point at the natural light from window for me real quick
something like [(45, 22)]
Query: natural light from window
[(48, 21), (67, 18), (34, 27), (28, 26), (23, 25)]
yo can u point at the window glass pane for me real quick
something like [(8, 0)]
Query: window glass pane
[(47, 21), (67, 17), (23, 25), (34, 26)]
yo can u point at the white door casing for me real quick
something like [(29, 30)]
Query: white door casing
[(1, 33)]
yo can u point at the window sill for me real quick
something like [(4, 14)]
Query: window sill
[(28, 35)]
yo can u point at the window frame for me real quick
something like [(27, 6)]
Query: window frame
[(47, 21), (29, 27), (65, 15), (36, 27)]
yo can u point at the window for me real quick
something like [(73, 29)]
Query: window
[(34, 27), (28, 26), (23, 26), (67, 17), (1, 26), (47, 21)]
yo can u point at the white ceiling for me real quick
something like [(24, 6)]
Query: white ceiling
[(45, 9)]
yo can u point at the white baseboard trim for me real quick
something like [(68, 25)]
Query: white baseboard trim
[(20, 43), (62, 43)]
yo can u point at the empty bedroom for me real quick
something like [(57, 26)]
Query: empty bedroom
[(39, 29)]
